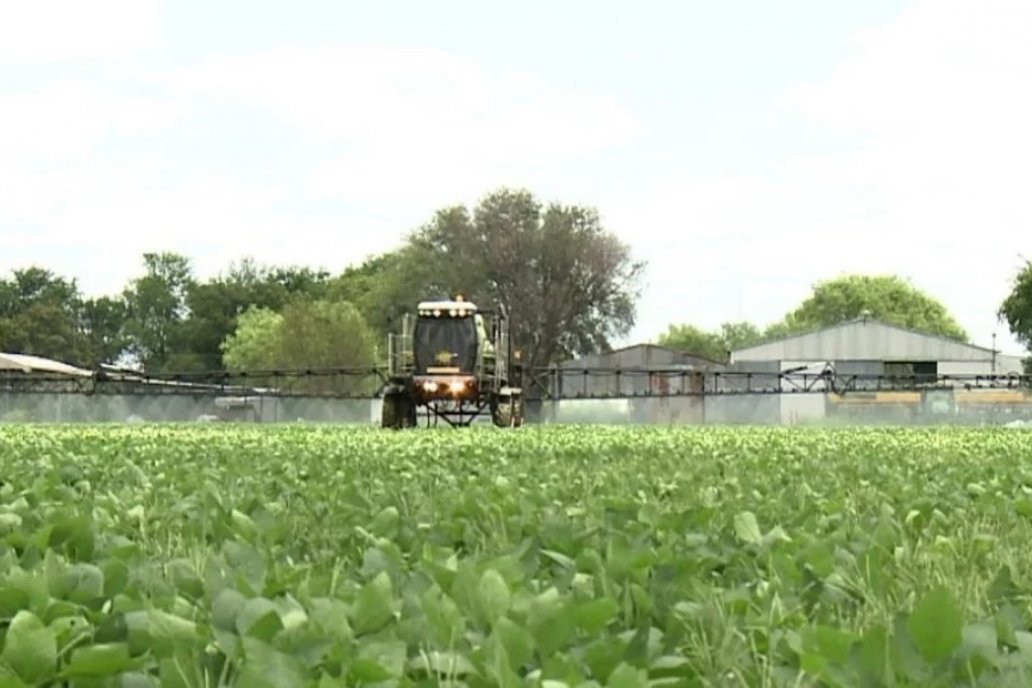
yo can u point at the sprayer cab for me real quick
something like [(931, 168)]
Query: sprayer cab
[(451, 359), (446, 346)]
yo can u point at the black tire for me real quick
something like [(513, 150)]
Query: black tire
[(399, 410), (507, 411), (408, 411), (389, 417)]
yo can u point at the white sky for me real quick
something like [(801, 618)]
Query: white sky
[(744, 151)]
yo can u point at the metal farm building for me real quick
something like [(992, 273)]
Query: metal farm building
[(871, 347), (641, 369), (875, 359), (644, 383), (858, 371)]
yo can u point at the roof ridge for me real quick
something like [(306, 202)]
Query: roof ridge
[(864, 320)]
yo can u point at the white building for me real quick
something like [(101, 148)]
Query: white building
[(870, 347), (863, 352)]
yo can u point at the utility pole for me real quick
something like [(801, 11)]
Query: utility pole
[(994, 353)]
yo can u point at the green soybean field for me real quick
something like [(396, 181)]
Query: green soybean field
[(304, 555)]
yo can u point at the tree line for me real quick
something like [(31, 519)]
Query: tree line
[(888, 298), (570, 286)]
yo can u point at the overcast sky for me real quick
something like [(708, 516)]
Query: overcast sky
[(744, 149)]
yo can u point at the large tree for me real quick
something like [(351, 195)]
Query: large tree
[(307, 334), (712, 345), (46, 315), (886, 298), (39, 314), (384, 287), (1016, 309), (883, 297), (102, 322), (156, 310), (568, 284), (215, 305)]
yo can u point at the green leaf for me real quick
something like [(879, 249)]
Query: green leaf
[(30, 648), (366, 670), (936, 625), (442, 664), (378, 660), (83, 583), (226, 607), (1003, 588), (292, 614), (136, 679), (9, 523), (905, 656), (831, 643), (68, 628), (494, 595), (243, 525), (374, 605), (979, 649), (98, 660), (75, 536), (116, 576), (259, 618), (327, 681), (549, 621), (266, 667), (136, 627), (186, 579), (871, 655), (518, 643), (168, 631), (670, 666), (594, 615), (445, 623), (626, 676), (12, 600), (560, 558), (385, 524), (329, 615), (747, 528), (499, 668)]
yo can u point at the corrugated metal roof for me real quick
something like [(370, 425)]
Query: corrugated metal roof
[(26, 363), (640, 356), (863, 340)]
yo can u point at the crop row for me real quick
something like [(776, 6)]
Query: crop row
[(549, 556)]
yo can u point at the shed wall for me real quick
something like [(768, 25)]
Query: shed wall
[(633, 379)]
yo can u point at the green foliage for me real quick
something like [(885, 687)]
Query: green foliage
[(1016, 309), (307, 334), (694, 340), (256, 343), (712, 345), (46, 315), (384, 288), (215, 305), (156, 310), (887, 298), (103, 336), (286, 555), (568, 284), (39, 314)]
